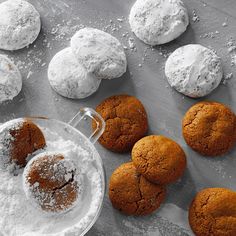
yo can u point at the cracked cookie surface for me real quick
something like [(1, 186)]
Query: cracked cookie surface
[(213, 212), (209, 128), (132, 194), (159, 159), (51, 181), (126, 122), (21, 139)]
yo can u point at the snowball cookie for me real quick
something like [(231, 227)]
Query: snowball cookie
[(69, 78), (159, 159), (158, 21), (132, 194), (52, 182), (18, 139), (209, 128), (194, 70), (213, 212), (19, 24), (99, 52), (10, 79)]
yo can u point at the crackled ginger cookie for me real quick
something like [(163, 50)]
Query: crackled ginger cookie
[(213, 212), (126, 122), (209, 128), (159, 159), (18, 139), (52, 182), (132, 194)]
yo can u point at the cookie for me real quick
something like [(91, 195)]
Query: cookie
[(126, 122), (209, 128), (69, 78), (194, 70), (51, 182), (99, 52), (132, 194), (157, 22), (159, 159), (213, 212), (11, 80), (18, 139), (19, 24)]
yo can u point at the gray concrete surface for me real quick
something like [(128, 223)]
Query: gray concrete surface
[(165, 107)]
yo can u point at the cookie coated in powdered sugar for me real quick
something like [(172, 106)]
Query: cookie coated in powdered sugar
[(194, 70), (69, 78), (19, 24), (99, 52), (157, 22), (10, 79)]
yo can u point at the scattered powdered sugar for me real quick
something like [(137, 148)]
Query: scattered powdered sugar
[(19, 217)]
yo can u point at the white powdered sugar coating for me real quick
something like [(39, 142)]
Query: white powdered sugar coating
[(10, 79), (19, 24), (69, 78), (157, 22), (99, 52), (19, 217), (64, 171), (194, 70)]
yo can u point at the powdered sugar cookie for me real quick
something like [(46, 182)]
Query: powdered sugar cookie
[(99, 52), (158, 21), (52, 182), (194, 70), (69, 78), (19, 24), (10, 79)]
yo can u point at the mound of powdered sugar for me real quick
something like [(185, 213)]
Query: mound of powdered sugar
[(19, 217), (99, 52), (194, 70), (19, 24), (157, 22), (10, 79)]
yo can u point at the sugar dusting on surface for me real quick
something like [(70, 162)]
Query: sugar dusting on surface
[(28, 221)]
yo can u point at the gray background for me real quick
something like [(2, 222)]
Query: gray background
[(165, 107)]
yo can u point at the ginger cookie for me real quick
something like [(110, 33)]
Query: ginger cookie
[(159, 159), (52, 182), (19, 139), (213, 212), (132, 194), (126, 122), (209, 128)]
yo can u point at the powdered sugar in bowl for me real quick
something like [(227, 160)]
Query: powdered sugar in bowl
[(19, 217)]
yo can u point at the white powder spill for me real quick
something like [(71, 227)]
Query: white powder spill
[(19, 217)]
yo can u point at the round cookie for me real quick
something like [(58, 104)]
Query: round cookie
[(213, 212), (100, 53), (209, 128), (69, 78), (194, 70), (159, 159), (126, 122), (18, 139), (52, 183), (19, 24), (10, 79), (132, 194), (157, 22)]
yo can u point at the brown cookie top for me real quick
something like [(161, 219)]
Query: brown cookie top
[(126, 122), (159, 159), (213, 212), (209, 128), (21, 139), (50, 181), (132, 194)]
